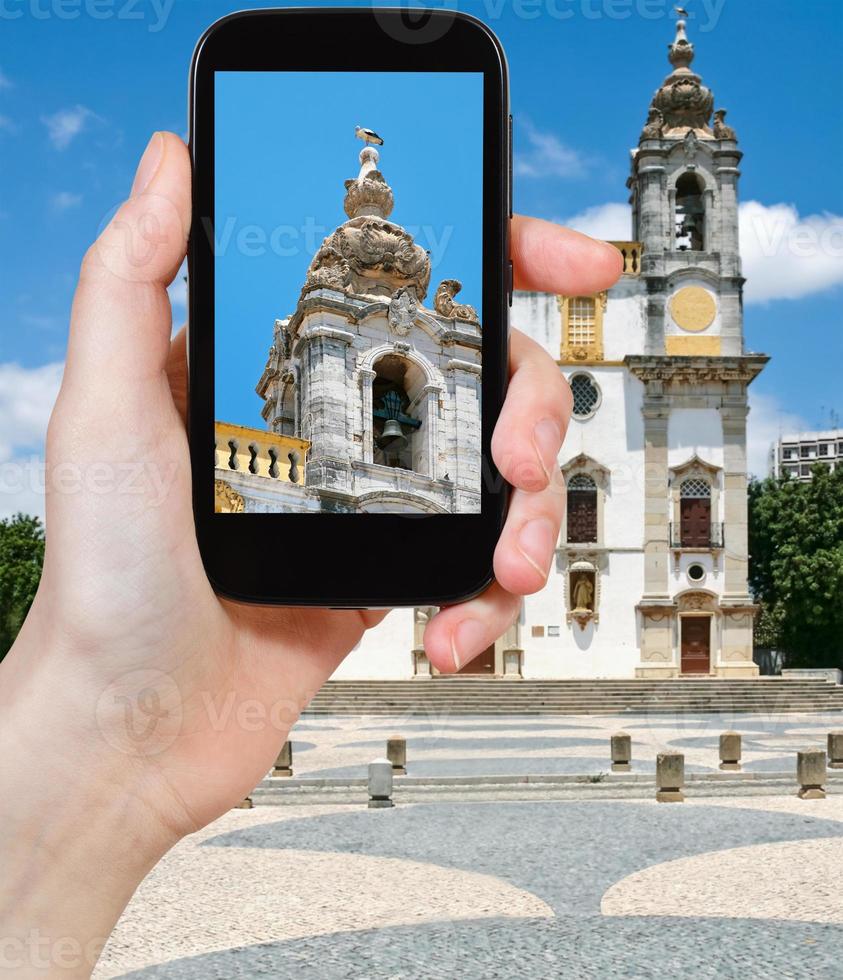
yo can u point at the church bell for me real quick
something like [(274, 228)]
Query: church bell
[(392, 437)]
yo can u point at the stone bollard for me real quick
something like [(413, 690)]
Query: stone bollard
[(810, 771), (396, 752), (284, 763), (730, 751), (835, 750), (621, 746), (380, 784), (670, 777)]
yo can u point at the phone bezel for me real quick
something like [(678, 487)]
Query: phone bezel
[(328, 559)]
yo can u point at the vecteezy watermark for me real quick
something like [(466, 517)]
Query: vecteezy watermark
[(155, 13), (140, 713), (36, 951), (287, 241), (101, 478), (412, 25)]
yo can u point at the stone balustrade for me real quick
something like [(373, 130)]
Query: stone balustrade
[(631, 252), (259, 452)]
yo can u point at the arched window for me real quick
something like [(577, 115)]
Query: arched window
[(582, 510), (690, 214), (695, 513), (394, 424)]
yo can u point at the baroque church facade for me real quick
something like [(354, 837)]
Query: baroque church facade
[(650, 573)]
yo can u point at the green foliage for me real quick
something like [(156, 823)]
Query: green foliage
[(796, 566), (21, 559)]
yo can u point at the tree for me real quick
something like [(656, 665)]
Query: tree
[(796, 564), (21, 559)]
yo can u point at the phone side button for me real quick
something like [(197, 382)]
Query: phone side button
[(510, 165), (510, 280)]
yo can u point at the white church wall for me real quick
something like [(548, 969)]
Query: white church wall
[(605, 649), (384, 653), (538, 316), (695, 431), (625, 320)]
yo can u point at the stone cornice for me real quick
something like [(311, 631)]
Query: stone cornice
[(647, 368)]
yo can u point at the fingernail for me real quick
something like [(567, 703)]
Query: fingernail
[(466, 641), (536, 544), (149, 163), (547, 438)]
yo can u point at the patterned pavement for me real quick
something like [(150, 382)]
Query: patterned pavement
[(734, 887)]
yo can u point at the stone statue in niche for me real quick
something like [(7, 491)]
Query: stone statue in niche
[(583, 593)]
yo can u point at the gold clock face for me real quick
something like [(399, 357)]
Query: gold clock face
[(693, 308)]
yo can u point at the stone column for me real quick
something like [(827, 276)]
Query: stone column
[(656, 411), (464, 463), (367, 377), (513, 652), (432, 393), (735, 527), (324, 407)]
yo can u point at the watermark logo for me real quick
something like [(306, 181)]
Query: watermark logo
[(140, 713)]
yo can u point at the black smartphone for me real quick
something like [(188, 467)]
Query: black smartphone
[(349, 301)]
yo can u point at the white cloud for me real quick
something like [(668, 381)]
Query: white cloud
[(7, 124), (5, 82), (767, 420), (545, 155), (786, 256), (66, 124), (64, 200), (611, 222), (27, 396)]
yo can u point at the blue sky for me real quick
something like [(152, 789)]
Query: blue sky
[(84, 85), (281, 194)]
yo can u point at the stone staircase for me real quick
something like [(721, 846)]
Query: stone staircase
[(493, 696)]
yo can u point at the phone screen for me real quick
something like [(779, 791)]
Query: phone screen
[(348, 282)]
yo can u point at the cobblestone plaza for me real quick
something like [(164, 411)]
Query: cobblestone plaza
[(716, 887)]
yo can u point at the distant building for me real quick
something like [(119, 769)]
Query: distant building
[(796, 454)]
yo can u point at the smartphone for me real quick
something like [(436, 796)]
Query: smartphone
[(349, 292)]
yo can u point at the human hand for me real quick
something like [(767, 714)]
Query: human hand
[(166, 703)]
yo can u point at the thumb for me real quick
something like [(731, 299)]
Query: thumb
[(121, 321)]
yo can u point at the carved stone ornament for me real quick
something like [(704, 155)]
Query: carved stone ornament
[(328, 270), (653, 127), (373, 248), (683, 101), (444, 304), (226, 499), (402, 312), (368, 195), (721, 130)]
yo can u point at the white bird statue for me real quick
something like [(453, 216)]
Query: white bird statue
[(367, 135)]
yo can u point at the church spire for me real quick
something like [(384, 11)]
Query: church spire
[(368, 194), (683, 103)]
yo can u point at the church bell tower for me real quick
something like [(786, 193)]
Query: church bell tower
[(684, 185)]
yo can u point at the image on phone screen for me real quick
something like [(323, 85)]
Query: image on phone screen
[(348, 266)]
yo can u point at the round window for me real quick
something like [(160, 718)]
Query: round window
[(696, 573), (586, 395)]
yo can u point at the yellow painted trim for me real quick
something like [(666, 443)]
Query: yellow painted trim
[(563, 363), (263, 440), (692, 346)]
